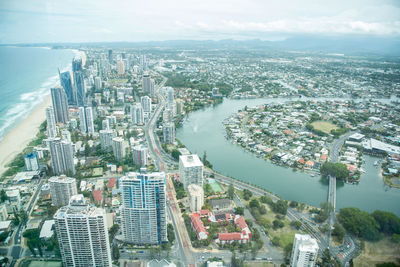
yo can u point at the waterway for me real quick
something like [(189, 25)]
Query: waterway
[(203, 130)]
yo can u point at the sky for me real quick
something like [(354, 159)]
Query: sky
[(35, 21)]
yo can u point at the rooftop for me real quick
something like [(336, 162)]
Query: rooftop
[(47, 229), (190, 160)]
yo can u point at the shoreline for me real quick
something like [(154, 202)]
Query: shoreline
[(19, 137)]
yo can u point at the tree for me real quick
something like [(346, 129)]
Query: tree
[(338, 170), (231, 191), (175, 154), (359, 223), (266, 200), (295, 224), (388, 222), (3, 196), (254, 203), (280, 206), (339, 231), (170, 233), (239, 210), (113, 231), (247, 194), (115, 252)]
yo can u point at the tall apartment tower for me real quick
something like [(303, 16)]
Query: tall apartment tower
[(66, 83), (190, 170), (80, 88), (31, 161), (77, 64), (147, 84), (195, 197), (143, 208), (139, 154), (170, 98), (86, 120), (120, 67), (97, 83), (82, 234), (146, 103), (169, 132), (137, 114), (106, 139), (305, 251), (118, 146), (62, 156), (60, 105), (62, 188), (51, 123)]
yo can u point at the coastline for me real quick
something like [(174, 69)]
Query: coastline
[(20, 136)]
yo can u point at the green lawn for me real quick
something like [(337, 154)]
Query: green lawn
[(324, 126), (45, 264)]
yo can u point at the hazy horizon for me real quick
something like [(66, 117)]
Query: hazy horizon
[(120, 21)]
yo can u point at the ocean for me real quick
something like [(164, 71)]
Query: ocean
[(26, 76)]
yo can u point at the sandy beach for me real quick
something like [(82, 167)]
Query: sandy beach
[(20, 136)]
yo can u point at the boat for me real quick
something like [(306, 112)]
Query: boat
[(312, 175), (376, 163)]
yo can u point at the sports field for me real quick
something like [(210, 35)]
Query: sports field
[(324, 126)]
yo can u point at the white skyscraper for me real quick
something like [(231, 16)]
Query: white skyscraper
[(82, 234), (169, 132), (190, 170), (51, 123), (137, 114), (62, 188), (120, 67), (118, 146), (60, 105), (32, 161), (97, 83), (146, 103), (143, 210), (196, 197), (169, 97), (139, 154), (106, 139), (62, 156), (168, 115), (86, 120), (305, 251)]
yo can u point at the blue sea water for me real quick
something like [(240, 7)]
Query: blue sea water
[(26, 76)]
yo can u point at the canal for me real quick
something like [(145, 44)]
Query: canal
[(203, 131)]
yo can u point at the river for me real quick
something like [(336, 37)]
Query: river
[(203, 131)]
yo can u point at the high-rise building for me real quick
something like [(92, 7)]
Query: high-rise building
[(110, 56), (118, 145), (62, 188), (169, 132), (66, 83), (120, 67), (304, 252), (106, 139), (143, 210), (137, 114), (82, 234), (170, 98), (51, 123), (146, 103), (31, 161), (139, 154), (66, 135), (80, 88), (62, 156), (152, 88), (86, 120), (195, 197), (190, 170), (60, 105), (77, 64), (168, 115), (179, 106), (146, 84), (97, 83)]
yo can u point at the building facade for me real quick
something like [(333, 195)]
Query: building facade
[(304, 252), (31, 161), (169, 132), (82, 234), (106, 139), (140, 154), (60, 105), (118, 146), (51, 123), (143, 209), (66, 83), (62, 188), (195, 197), (62, 156), (190, 170)]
